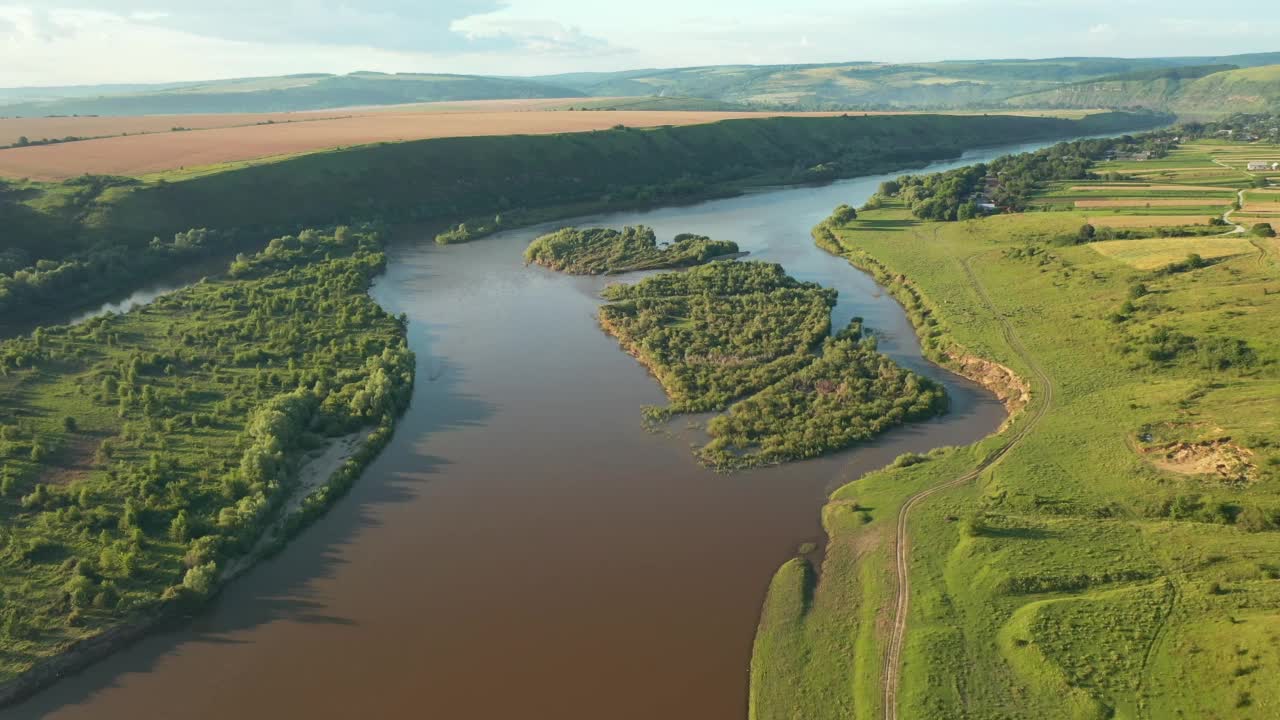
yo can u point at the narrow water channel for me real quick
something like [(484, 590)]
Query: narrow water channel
[(523, 549)]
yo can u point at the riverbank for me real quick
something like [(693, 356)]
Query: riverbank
[(325, 470), (1071, 536), (936, 340), (104, 556)]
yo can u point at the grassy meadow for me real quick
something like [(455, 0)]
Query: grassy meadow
[(1120, 561)]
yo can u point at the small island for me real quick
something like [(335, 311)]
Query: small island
[(747, 340), (605, 251)]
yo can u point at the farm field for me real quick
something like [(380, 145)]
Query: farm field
[(229, 140), (166, 151), (1144, 221), (1152, 202), (88, 126), (1153, 253)]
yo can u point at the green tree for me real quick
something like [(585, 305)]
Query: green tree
[(844, 214), (200, 579), (180, 528)]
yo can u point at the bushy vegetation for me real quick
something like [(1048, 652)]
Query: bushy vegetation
[(721, 331), (604, 251), (747, 337), (850, 393), (144, 453)]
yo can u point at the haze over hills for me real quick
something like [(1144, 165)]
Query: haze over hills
[(978, 84)]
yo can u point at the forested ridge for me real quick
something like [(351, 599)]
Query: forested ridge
[(101, 230), (143, 453)]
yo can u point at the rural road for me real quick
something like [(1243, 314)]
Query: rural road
[(893, 656), (1259, 243), (1226, 216)]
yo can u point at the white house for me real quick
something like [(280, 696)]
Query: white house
[(1262, 165)]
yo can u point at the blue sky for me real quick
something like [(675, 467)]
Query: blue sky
[(49, 42)]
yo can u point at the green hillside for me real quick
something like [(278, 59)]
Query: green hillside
[(293, 92), (1249, 90)]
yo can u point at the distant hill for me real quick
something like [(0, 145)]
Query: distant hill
[(869, 85), (285, 93), (1212, 92), (864, 85)]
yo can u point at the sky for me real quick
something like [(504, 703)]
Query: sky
[(64, 42)]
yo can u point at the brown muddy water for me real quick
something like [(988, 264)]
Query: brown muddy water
[(523, 549)]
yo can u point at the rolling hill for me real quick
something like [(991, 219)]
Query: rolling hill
[(1189, 94), (863, 85), (871, 85), (288, 93)]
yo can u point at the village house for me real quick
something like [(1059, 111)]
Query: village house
[(1262, 166)]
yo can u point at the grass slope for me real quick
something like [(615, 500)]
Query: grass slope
[(1119, 562)]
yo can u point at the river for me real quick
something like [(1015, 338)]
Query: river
[(522, 548)]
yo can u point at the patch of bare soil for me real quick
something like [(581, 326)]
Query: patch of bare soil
[(1013, 391), (73, 461), (1213, 457)]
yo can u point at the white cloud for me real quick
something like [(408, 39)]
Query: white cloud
[(87, 41), (534, 35)]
